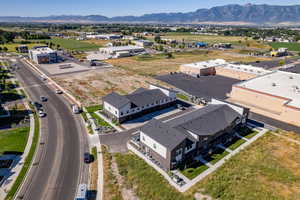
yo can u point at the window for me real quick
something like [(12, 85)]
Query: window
[(121, 113), (154, 145), (178, 152), (116, 112)]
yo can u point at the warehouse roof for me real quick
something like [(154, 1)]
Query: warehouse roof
[(278, 83), (42, 50), (122, 48), (206, 64)]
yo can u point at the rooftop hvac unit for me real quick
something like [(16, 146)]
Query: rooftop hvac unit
[(273, 84), (291, 77)]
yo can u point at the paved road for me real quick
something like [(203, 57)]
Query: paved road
[(58, 167), (117, 142)]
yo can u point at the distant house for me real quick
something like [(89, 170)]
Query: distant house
[(126, 107), (280, 52), (22, 49), (222, 45), (143, 43), (180, 140)]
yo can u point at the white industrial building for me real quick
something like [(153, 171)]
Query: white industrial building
[(104, 37), (43, 55), (122, 51), (143, 43), (212, 67)]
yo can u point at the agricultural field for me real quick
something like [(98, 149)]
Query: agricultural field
[(267, 169), (75, 45), (291, 46), (12, 46), (100, 43)]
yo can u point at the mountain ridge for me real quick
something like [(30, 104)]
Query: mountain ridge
[(249, 13)]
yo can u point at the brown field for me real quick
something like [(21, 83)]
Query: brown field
[(90, 86), (158, 64), (97, 42)]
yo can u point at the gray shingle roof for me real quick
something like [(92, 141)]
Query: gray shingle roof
[(146, 97), (139, 98), (116, 100), (163, 133), (206, 121)]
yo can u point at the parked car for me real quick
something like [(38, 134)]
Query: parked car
[(75, 109), (43, 78), (58, 91), (87, 157), (42, 114), (36, 104), (43, 99)]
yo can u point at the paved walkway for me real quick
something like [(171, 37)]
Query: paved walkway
[(94, 141), (13, 173), (212, 168)]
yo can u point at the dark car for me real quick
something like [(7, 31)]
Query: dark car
[(87, 158), (43, 99)]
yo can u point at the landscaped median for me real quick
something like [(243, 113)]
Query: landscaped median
[(28, 161)]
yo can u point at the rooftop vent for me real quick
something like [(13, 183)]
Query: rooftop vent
[(273, 84), (291, 77)]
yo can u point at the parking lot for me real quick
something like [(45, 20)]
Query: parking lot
[(204, 87)]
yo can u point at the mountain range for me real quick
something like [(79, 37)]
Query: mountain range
[(228, 14)]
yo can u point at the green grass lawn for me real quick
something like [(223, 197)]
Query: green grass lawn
[(193, 172), (238, 142), (95, 108), (100, 121), (28, 160), (146, 181), (72, 44), (291, 46), (247, 132), (182, 96), (13, 139), (216, 156)]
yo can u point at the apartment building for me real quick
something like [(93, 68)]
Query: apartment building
[(175, 142), (142, 101)]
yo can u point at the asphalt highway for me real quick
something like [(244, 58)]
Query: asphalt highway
[(58, 167)]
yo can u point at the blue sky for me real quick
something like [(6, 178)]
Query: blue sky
[(115, 7)]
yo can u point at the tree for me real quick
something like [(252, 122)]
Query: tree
[(157, 39), (5, 49)]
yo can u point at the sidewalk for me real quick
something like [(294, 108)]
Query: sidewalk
[(5, 188), (94, 141), (212, 167)]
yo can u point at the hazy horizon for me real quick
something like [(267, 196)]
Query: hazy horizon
[(35, 8)]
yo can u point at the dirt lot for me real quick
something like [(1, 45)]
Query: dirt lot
[(90, 86), (159, 64)]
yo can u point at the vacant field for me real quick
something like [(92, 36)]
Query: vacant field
[(267, 169), (159, 64), (100, 43), (12, 46), (13, 139), (291, 46), (211, 39), (90, 86), (76, 45)]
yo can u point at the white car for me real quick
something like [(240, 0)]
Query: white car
[(58, 91), (42, 114)]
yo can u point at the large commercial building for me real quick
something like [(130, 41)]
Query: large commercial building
[(180, 140), (122, 51), (43, 55), (276, 94), (126, 107), (105, 37), (221, 67)]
